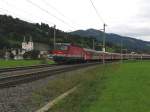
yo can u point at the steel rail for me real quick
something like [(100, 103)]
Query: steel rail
[(24, 67), (11, 81)]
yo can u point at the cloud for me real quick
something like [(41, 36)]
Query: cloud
[(138, 26), (125, 17), (132, 31)]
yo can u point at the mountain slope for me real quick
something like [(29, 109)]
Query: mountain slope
[(129, 43), (12, 31)]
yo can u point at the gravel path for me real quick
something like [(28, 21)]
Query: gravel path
[(14, 99)]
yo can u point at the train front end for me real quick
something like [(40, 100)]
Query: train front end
[(59, 53)]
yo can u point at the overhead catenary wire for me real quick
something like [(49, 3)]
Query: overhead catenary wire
[(26, 12), (104, 25), (11, 13), (48, 4), (97, 12), (59, 12), (49, 13), (5, 10)]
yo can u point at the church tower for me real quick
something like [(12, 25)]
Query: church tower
[(24, 43), (30, 44)]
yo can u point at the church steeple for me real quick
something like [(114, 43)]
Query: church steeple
[(30, 40), (28, 46), (30, 43), (24, 43), (24, 39)]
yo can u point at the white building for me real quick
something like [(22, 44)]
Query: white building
[(28, 46)]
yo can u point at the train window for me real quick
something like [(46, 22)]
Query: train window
[(61, 47), (64, 47)]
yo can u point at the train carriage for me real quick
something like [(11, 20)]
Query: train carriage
[(69, 53), (91, 54)]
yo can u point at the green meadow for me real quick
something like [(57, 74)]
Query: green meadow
[(118, 87)]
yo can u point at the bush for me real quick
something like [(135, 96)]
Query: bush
[(34, 54), (12, 56), (2, 53)]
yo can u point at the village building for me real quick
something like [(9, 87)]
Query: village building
[(27, 46)]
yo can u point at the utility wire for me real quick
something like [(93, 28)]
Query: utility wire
[(46, 11), (48, 4), (97, 12), (12, 13), (12, 7), (24, 11), (3, 10)]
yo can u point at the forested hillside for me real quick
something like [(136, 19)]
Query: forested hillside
[(129, 43), (12, 31)]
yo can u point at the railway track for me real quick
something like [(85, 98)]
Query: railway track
[(18, 77), (24, 68)]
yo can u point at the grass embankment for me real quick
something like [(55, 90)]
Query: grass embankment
[(113, 88), (110, 88), (57, 86), (16, 63), (63, 83)]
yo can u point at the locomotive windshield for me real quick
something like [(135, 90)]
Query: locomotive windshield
[(62, 46)]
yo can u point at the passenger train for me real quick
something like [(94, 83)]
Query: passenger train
[(69, 53)]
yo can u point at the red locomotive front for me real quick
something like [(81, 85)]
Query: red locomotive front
[(65, 53)]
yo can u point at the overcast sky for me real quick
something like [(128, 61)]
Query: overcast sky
[(124, 17)]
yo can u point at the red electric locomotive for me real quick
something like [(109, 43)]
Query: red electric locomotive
[(65, 53), (69, 53)]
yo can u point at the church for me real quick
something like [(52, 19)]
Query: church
[(27, 46), (30, 45)]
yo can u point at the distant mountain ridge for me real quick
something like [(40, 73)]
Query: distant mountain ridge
[(129, 43), (13, 30)]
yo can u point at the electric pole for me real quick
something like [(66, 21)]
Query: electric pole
[(121, 50), (104, 37), (54, 36), (93, 44)]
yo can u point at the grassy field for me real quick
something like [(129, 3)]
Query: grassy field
[(56, 86), (15, 63), (111, 88)]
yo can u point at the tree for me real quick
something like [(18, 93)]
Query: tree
[(2, 53), (34, 54), (12, 56)]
